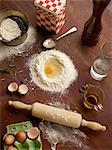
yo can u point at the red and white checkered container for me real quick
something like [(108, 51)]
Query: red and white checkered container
[(50, 14)]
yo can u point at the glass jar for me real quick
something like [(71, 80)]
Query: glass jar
[(93, 97), (102, 65)]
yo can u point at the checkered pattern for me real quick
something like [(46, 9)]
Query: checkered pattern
[(48, 19), (53, 5), (60, 20)]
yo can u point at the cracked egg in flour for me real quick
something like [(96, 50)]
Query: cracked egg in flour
[(52, 70)]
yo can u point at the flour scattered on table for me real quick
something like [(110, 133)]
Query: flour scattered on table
[(56, 134), (59, 104), (9, 29), (52, 70), (8, 51)]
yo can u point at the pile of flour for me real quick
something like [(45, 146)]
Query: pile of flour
[(59, 83), (9, 29)]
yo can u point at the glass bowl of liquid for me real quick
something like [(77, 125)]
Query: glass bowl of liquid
[(93, 97)]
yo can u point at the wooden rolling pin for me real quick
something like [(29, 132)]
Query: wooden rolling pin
[(57, 115)]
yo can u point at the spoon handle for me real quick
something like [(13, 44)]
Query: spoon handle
[(73, 29)]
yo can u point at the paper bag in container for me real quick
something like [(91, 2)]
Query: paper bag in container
[(50, 14)]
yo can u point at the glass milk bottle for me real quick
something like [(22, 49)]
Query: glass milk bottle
[(103, 64)]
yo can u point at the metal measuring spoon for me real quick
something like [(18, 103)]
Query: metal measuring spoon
[(50, 43), (98, 107)]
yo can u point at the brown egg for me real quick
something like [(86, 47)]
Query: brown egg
[(9, 139), (33, 133), (11, 148), (21, 136)]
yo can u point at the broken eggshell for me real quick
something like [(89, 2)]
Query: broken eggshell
[(23, 89), (13, 87), (33, 133)]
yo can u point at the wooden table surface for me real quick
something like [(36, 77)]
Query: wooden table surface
[(77, 12)]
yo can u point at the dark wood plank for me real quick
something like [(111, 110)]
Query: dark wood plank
[(77, 12)]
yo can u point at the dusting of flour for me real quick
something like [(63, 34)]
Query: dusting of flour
[(59, 134), (8, 51), (58, 84), (56, 134)]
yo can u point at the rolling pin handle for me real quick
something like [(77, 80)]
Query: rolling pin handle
[(93, 125), (20, 105)]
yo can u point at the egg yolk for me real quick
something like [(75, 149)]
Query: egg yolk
[(49, 70), (52, 68)]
